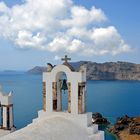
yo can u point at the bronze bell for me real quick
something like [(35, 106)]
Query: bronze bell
[(64, 85)]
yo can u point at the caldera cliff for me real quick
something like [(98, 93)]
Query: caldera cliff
[(103, 71)]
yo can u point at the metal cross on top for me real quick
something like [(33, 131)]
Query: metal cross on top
[(66, 59)]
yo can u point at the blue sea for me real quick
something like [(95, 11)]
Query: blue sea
[(111, 98)]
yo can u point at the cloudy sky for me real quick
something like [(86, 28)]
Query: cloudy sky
[(34, 32)]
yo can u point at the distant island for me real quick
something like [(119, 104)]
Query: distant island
[(102, 71), (37, 70), (10, 71)]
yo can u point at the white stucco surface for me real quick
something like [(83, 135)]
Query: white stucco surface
[(61, 126), (4, 132), (50, 129), (6, 99)]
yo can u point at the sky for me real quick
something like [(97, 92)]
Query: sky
[(34, 32)]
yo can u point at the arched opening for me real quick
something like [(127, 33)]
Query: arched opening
[(64, 92), (61, 93)]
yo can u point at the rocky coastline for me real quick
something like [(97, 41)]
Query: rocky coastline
[(125, 128), (97, 118)]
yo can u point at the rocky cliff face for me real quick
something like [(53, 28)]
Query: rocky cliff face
[(113, 71), (104, 71)]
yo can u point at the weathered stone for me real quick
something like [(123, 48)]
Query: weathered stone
[(124, 120), (134, 130), (126, 126), (54, 88), (69, 97), (44, 96), (81, 98), (96, 115), (99, 119)]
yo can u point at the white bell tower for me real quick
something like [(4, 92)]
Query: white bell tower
[(76, 83), (7, 116), (76, 86)]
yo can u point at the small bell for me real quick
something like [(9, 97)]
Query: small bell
[(64, 85)]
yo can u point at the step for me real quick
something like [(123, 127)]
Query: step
[(98, 136), (93, 129)]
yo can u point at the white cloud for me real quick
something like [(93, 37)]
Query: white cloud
[(26, 39), (3, 7), (57, 58), (60, 27), (108, 40), (81, 17)]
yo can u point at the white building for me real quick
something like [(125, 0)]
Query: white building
[(7, 116), (53, 123)]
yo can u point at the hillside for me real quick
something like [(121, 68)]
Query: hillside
[(126, 128), (37, 70), (103, 71)]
